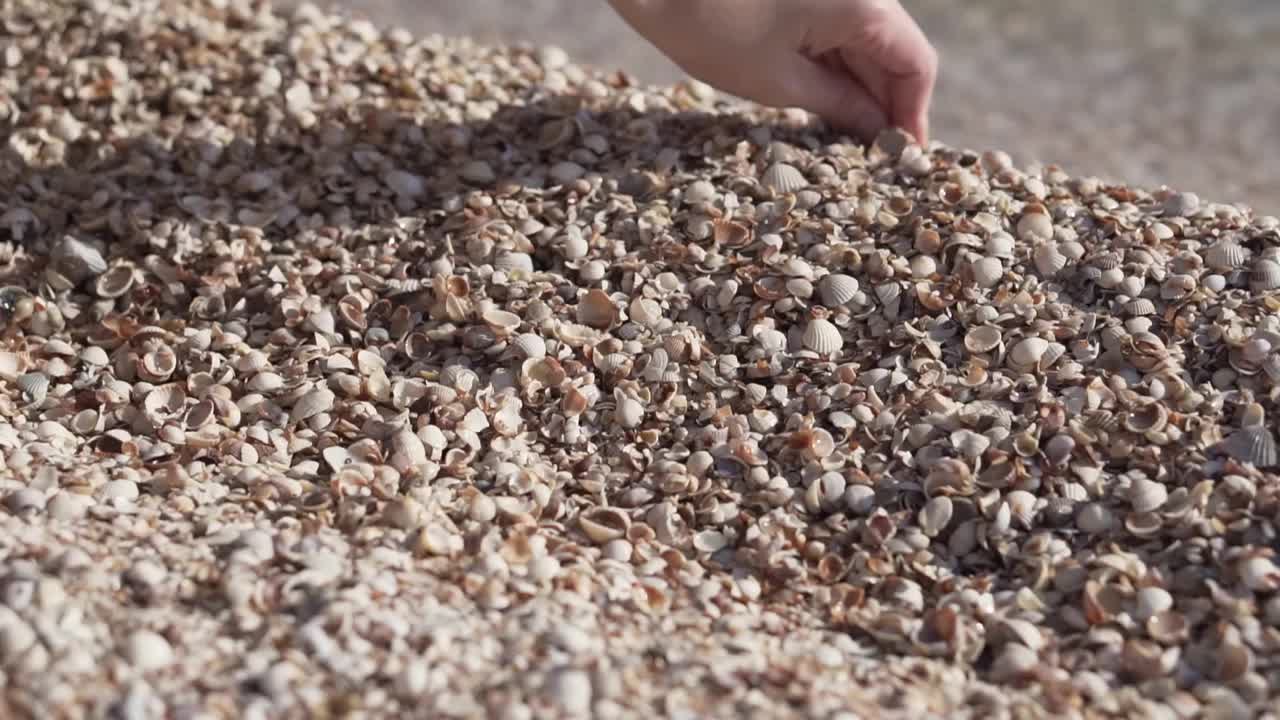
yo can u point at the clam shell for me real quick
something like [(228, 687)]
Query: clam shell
[(596, 309), (983, 339), (1000, 245), (158, 364), (509, 262), (1140, 307), (116, 281), (645, 311), (1147, 495), (313, 402), (936, 515), (969, 443), (1265, 275), (1035, 226), (837, 289), (822, 336), (783, 178), (1028, 351), (77, 260), (603, 524)]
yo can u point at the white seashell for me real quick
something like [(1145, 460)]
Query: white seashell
[(1027, 352), (983, 339), (628, 412), (645, 311), (1035, 226), (1253, 444), (1141, 307), (1225, 255), (1147, 495), (936, 515), (1049, 259), (77, 260), (313, 402), (116, 281), (837, 289), (969, 443), (822, 337), (701, 191), (530, 345), (987, 271), (1000, 245), (510, 261), (771, 340), (783, 178)]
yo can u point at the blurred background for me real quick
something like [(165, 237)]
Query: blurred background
[(1184, 93)]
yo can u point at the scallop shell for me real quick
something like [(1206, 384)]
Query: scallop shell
[(1265, 275), (837, 289), (1049, 259), (34, 386), (783, 178), (1225, 255), (530, 345), (313, 402), (1140, 307), (987, 271), (771, 341), (822, 336), (983, 339), (969, 443), (1000, 245), (1253, 444)]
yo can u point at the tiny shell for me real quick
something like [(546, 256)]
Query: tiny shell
[(1147, 495), (513, 262), (936, 515), (783, 178), (822, 337)]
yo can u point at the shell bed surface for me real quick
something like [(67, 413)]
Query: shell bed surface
[(346, 373)]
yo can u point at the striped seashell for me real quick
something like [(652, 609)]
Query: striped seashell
[(1106, 261), (771, 340), (1254, 444), (1225, 255), (1176, 287), (1265, 276), (1028, 351), (1000, 245), (34, 387), (987, 271), (1049, 260), (837, 289), (822, 337), (783, 178), (1140, 307), (530, 345), (1114, 337)]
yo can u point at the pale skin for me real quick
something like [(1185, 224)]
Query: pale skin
[(863, 65)]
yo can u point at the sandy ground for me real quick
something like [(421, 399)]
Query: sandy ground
[(1178, 92)]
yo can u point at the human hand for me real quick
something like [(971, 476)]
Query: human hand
[(863, 65)]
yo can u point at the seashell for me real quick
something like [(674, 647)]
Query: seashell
[(983, 339), (596, 309), (822, 337), (1265, 275), (501, 321), (530, 345), (1049, 260), (116, 281), (510, 261), (77, 260), (783, 178), (604, 524), (771, 341), (837, 289), (158, 364), (936, 515), (1035, 226), (312, 403), (1225, 255), (1152, 417), (460, 378), (34, 387), (645, 311), (1176, 287), (11, 365), (1141, 307), (1000, 244), (1027, 352), (987, 271), (1254, 445), (628, 412), (1147, 495), (700, 191)]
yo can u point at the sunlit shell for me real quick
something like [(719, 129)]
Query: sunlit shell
[(501, 321), (34, 387), (1140, 307), (1035, 226), (312, 403), (822, 337), (987, 271), (1000, 244), (510, 261), (158, 364), (1255, 445), (1028, 351), (970, 444), (983, 339), (628, 412), (837, 289), (530, 345), (77, 259), (783, 178), (645, 311), (936, 515)]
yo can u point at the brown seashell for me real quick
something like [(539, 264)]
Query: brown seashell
[(596, 309), (115, 281)]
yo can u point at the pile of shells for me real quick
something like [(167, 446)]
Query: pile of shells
[(348, 373)]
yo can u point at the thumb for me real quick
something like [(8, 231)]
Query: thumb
[(835, 94)]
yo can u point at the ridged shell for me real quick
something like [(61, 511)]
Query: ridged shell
[(1140, 307), (1225, 255), (969, 443), (78, 260), (1049, 259), (116, 281), (771, 341), (783, 178), (531, 345), (34, 386), (837, 289), (987, 271), (1000, 245), (822, 337), (1256, 445), (1265, 275), (983, 339)]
